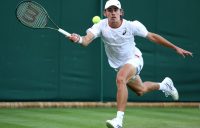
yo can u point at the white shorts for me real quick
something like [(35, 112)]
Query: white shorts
[(137, 62)]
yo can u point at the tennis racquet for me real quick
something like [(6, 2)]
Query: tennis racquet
[(33, 15)]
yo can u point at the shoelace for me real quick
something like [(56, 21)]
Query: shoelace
[(167, 92), (115, 120)]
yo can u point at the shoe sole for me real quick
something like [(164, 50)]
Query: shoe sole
[(109, 125), (176, 97)]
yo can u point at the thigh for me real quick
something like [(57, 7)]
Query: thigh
[(137, 62), (126, 73)]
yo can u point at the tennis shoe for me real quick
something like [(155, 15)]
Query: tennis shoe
[(170, 89), (114, 123)]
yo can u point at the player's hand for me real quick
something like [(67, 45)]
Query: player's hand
[(74, 37), (183, 52)]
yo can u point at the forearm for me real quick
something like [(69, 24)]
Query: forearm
[(160, 40), (86, 40), (83, 40)]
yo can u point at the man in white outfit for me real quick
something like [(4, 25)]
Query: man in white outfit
[(118, 37)]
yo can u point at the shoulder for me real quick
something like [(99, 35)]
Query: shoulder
[(137, 24), (134, 23), (102, 22), (138, 28), (96, 29), (99, 24)]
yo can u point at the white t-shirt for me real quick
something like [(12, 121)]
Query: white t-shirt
[(119, 42)]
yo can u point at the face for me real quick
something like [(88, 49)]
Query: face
[(114, 15)]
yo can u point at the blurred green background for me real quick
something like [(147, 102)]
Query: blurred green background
[(42, 65)]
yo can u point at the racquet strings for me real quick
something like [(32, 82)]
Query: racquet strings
[(32, 15)]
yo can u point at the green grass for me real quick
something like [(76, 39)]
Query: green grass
[(96, 117)]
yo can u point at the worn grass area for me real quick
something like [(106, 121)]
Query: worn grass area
[(95, 117)]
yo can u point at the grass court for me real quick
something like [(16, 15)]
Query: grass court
[(135, 117)]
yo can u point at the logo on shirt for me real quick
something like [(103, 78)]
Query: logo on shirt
[(124, 32)]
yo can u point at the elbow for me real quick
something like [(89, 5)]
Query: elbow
[(153, 37), (85, 42), (84, 45)]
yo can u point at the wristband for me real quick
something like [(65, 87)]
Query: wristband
[(80, 40)]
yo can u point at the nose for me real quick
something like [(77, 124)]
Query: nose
[(112, 12)]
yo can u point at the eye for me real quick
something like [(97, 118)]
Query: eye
[(115, 9), (109, 10)]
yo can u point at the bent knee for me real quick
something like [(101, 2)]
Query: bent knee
[(141, 92), (120, 81)]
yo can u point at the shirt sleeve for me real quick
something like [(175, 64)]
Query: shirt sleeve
[(139, 29), (95, 29)]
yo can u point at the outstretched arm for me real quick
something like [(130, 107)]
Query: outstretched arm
[(84, 40), (160, 40)]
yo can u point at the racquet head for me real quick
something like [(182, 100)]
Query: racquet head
[(31, 14)]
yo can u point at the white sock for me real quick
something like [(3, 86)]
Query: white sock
[(120, 115), (162, 86)]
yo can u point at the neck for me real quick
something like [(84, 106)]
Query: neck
[(115, 24)]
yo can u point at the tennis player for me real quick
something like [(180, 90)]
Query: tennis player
[(123, 56)]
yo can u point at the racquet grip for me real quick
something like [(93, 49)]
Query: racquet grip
[(64, 32)]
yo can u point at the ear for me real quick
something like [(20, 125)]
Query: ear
[(104, 13), (122, 12)]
